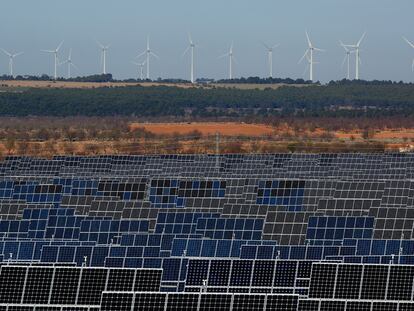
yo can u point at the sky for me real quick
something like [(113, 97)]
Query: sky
[(29, 26)]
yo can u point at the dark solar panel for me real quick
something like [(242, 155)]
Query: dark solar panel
[(12, 284), (92, 284), (65, 286), (38, 285), (117, 301)]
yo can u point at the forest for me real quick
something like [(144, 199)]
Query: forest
[(335, 99)]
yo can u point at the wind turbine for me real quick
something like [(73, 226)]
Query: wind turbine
[(55, 53), (190, 48), (412, 45), (11, 59), (141, 69), (231, 59), (355, 48), (346, 59), (104, 49), (148, 52), (309, 56), (270, 57), (70, 63)]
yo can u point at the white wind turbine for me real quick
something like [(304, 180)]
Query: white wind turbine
[(11, 60), (148, 52), (270, 57), (231, 59), (412, 45), (346, 59), (190, 48), (104, 49), (355, 48), (309, 56), (70, 63), (55, 54), (141, 69)]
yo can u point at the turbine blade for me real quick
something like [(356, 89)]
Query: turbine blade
[(411, 44), (99, 44), (343, 62), (304, 55), (59, 46), (344, 46), (5, 52), (18, 54), (190, 39), (266, 46), (305, 71), (70, 54), (360, 40), (139, 55), (352, 46), (412, 66), (224, 55), (76, 67), (309, 41), (320, 50), (47, 51), (275, 46), (155, 55), (186, 50)]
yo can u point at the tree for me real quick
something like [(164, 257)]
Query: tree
[(10, 145), (367, 134)]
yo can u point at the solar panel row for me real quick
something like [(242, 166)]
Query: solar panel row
[(236, 232)]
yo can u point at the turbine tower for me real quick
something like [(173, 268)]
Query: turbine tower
[(141, 69), (346, 59), (412, 45), (148, 52), (231, 59), (309, 56), (104, 49), (70, 63), (11, 59), (190, 48), (355, 48), (55, 54), (270, 57)]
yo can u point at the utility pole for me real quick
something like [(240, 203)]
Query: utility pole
[(217, 151)]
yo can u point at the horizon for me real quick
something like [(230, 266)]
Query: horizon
[(384, 54)]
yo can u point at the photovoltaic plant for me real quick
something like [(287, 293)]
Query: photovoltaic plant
[(207, 232)]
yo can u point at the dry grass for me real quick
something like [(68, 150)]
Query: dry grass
[(83, 85), (207, 128)]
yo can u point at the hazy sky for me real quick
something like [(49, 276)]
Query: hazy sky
[(28, 25)]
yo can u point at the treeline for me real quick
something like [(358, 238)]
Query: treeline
[(258, 80), (333, 100)]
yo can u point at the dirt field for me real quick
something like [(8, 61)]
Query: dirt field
[(207, 128), (81, 85), (396, 134)]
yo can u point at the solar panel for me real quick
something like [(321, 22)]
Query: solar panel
[(37, 285), (334, 229), (65, 286)]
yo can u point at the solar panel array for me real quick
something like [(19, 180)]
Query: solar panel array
[(203, 232)]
